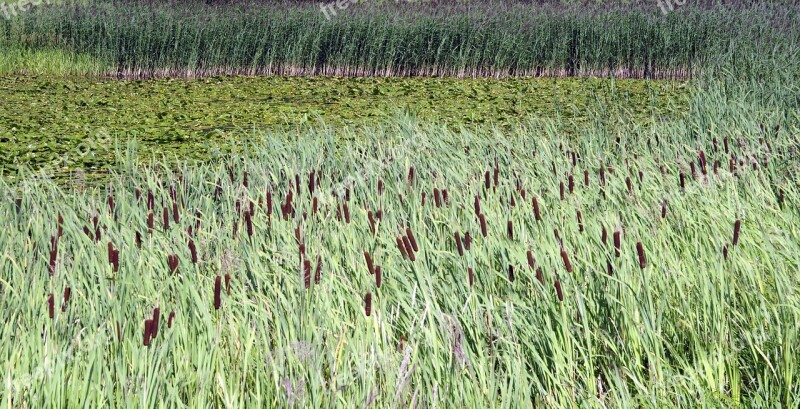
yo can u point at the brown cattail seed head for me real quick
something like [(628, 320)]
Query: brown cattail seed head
[(510, 230), (67, 293), (409, 249), (401, 246), (370, 266), (378, 276), (482, 219), (736, 227), (536, 209), (51, 306), (565, 258), (368, 304), (617, 243), (170, 319), (217, 292), (470, 276), (458, 244), (307, 273), (640, 252), (559, 293), (412, 239), (166, 219), (148, 325), (318, 272)]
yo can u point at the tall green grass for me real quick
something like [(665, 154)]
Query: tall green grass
[(704, 322), (408, 39)]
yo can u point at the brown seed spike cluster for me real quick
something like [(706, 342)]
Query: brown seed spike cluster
[(617, 243), (370, 266), (559, 293), (378, 276), (470, 276), (368, 304), (482, 219), (217, 293), (412, 239), (565, 259), (536, 209), (640, 252), (459, 246), (736, 228), (306, 273), (510, 230)]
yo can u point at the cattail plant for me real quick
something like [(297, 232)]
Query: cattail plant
[(307, 273), (604, 236), (682, 179), (467, 241), (148, 327), (217, 292), (173, 262), (470, 276), (561, 190), (482, 219), (248, 221), (346, 210), (370, 266), (368, 304), (170, 319), (156, 318), (580, 221), (150, 222), (151, 203), (175, 214), (736, 227), (536, 209), (640, 252), (559, 293), (371, 219), (531, 261), (409, 249), (510, 230), (477, 205), (565, 259), (511, 273), (318, 271), (486, 181), (437, 198), (166, 219), (193, 251), (539, 275), (378, 276), (51, 306), (571, 184), (411, 175), (629, 184), (458, 244), (67, 294), (412, 239), (401, 246), (617, 243), (586, 178), (609, 268)]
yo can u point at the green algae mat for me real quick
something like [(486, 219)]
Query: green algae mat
[(67, 124)]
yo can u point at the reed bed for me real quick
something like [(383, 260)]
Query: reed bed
[(137, 39), (314, 274)]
